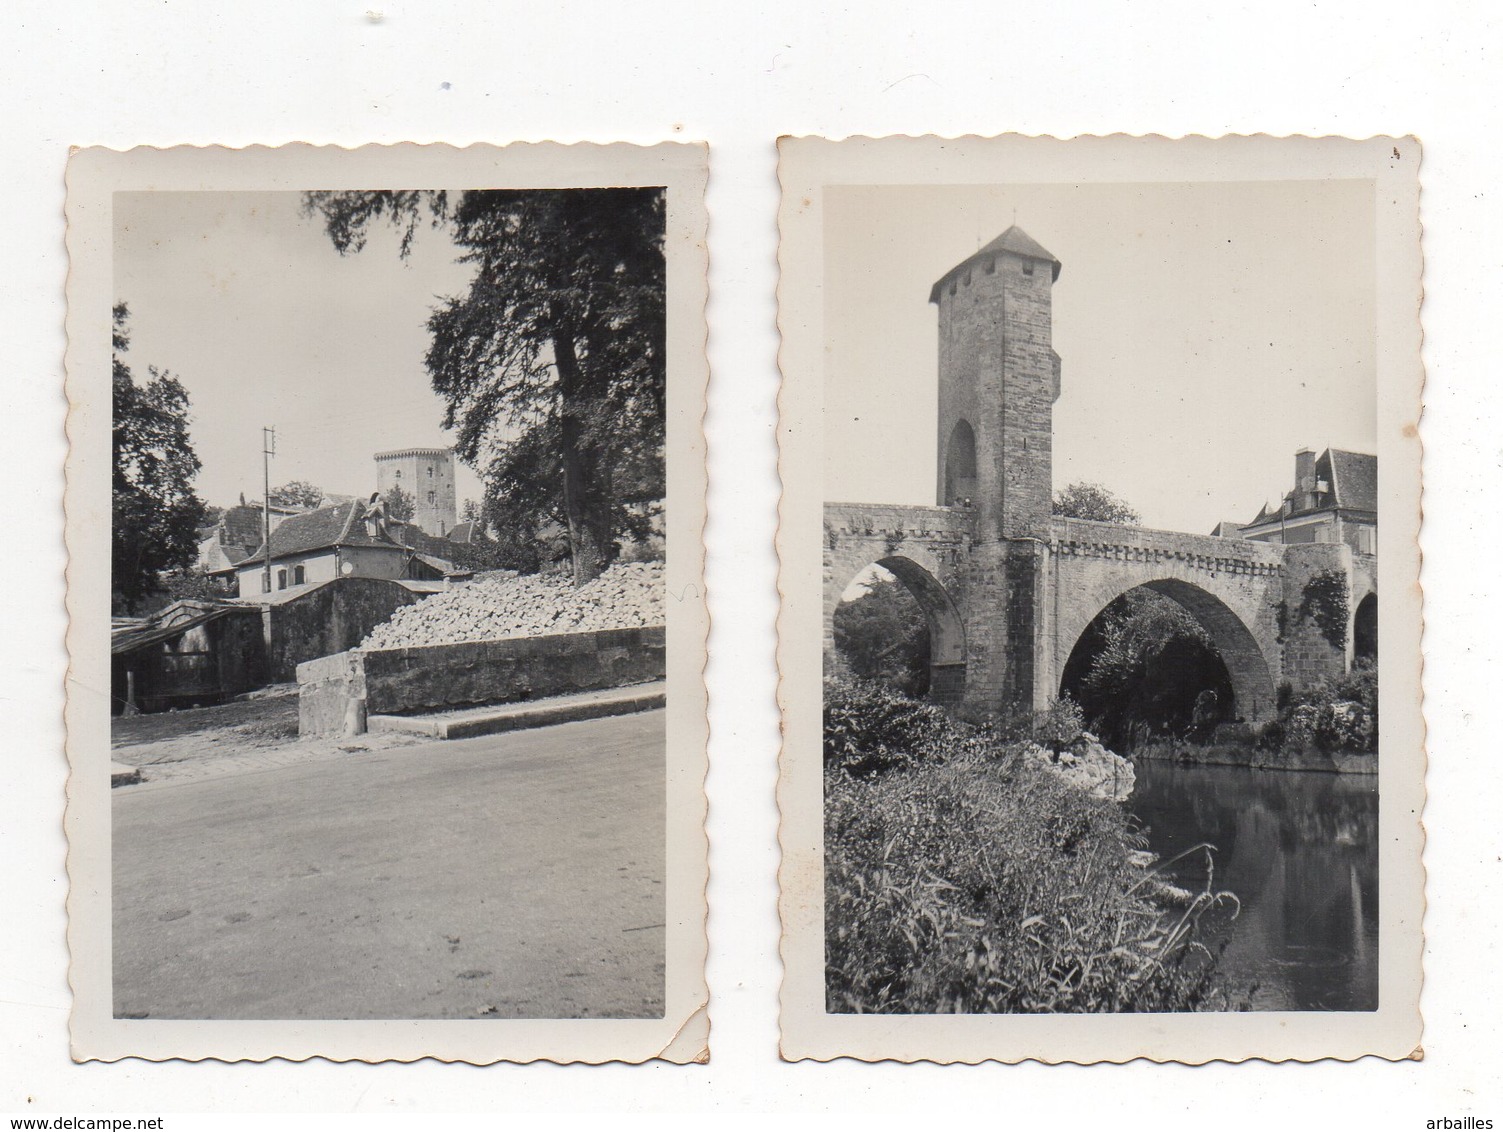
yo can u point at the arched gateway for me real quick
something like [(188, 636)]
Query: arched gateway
[(1006, 587)]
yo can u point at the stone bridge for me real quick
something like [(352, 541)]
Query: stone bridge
[(1249, 596), (1008, 589)]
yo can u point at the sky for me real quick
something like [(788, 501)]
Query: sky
[(248, 304), (1206, 330)]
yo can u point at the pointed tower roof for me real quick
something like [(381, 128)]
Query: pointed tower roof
[(1014, 240)]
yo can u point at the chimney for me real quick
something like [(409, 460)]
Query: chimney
[(1304, 471)]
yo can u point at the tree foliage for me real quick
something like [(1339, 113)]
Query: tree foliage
[(400, 505), (552, 365), (297, 493), (503, 553), (155, 513), (1147, 667), (1092, 501), (884, 637)]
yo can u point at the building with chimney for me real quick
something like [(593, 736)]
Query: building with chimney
[(1335, 499)]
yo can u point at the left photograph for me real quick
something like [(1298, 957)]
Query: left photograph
[(382, 723)]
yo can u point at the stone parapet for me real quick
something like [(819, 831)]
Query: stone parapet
[(879, 520), (1087, 538), (337, 691)]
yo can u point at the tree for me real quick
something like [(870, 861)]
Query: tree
[(297, 493), (470, 512), (1146, 666), (1092, 501), (484, 554), (552, 366), (884, 636), (155, 513), (399, 505)]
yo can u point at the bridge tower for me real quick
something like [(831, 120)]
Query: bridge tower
[(998, 380)]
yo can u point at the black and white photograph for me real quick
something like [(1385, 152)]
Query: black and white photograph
[(389, 703), (1100, 614)]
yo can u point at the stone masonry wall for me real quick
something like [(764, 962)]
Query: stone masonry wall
[(970, 368), (334, 617), (437, 677), (998, 371), (1310, 656), (1028, 370)]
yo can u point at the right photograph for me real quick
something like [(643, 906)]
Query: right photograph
[(1097, 451)]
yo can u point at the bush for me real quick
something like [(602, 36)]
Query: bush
[(870, 729), (960, 877), (984, 885), (1060, 725), (1272, 735), (1342, 716)]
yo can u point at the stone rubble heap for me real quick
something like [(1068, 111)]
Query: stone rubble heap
[(1088, 765), (627, 596)]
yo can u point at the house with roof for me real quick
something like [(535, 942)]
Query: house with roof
[(237, 535), (1334, 499), (345, 541)]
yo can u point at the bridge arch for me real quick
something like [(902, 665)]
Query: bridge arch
[(941, 613), (1364, 627), (1252, 681)]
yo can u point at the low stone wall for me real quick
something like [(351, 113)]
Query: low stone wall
[(338, 692), (329, 618)]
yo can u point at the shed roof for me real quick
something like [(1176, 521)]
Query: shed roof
[(168, 622)]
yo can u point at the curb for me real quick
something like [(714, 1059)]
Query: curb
[(122, 775), (511, 717)]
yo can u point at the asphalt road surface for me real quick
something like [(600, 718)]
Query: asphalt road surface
[(507, 876)]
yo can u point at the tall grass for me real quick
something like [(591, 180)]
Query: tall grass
[(962, 879)]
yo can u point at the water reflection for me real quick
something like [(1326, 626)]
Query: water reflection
[(1301, 852)]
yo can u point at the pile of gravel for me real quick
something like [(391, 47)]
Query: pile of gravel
[(627, 596)]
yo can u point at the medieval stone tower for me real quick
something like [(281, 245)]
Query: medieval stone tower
[(427, 476), (998, 381)]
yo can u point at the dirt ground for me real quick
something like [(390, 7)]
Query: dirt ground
[(265, 724)]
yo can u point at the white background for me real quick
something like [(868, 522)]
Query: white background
[(131, 72)]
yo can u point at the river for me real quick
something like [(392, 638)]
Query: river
[(1300, 850)]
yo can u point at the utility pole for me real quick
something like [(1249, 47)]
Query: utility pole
[(268, 450)]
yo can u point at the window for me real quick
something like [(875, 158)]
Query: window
[(991, 266), (399, 473), (430, 471), (430, 497), (281, 579), (299, 575), (1028, 267)]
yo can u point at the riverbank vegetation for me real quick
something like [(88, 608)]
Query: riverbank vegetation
[(963, 876), (1333, 726)]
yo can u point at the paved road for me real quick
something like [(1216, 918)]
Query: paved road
[(516, 875)]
